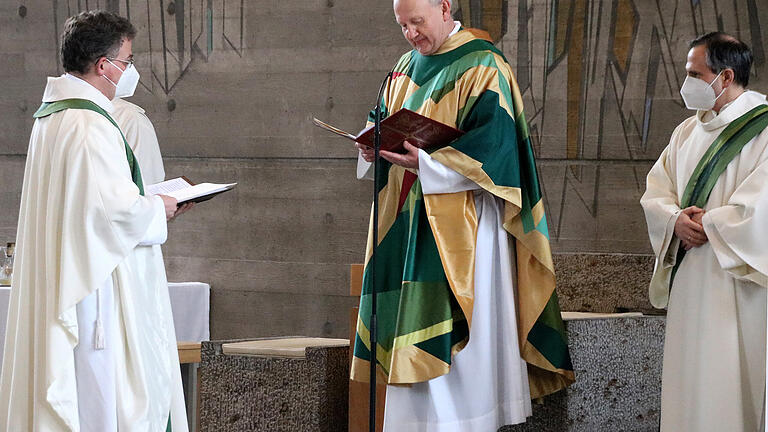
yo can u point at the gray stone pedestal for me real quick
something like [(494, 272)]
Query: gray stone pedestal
[(618, 379), (246, 393)]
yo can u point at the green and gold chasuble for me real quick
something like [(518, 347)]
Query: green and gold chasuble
[(426, 252)]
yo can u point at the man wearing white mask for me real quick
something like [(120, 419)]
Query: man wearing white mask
[(137, 128), (706, 206), (90, 344)]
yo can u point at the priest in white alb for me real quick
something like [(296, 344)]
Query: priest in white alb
[(90, 344), (706, 205)]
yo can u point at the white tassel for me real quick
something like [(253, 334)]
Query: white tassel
[(98, 337), (98, 334)]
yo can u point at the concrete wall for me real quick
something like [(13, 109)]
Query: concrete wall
[(231, 87)]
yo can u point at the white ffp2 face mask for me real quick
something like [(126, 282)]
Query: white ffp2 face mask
[(128, 81), (698, 94)]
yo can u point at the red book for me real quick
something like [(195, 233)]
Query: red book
[(421, 131)]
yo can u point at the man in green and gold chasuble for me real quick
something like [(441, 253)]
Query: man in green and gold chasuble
[(469, 322)]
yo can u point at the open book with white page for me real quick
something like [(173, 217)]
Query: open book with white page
[(185, 191)]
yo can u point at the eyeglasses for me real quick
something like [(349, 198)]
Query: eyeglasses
[(129, 62)]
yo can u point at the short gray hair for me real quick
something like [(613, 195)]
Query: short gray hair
[(89, 36)]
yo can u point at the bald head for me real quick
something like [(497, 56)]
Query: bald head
[(426, 24), (436, 3)]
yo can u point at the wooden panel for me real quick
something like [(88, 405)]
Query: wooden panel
[(189, 352), (359, 403), (355, 279), (359, 397), (352, 332)]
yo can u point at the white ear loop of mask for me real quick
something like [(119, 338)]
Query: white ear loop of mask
[(122, 71)]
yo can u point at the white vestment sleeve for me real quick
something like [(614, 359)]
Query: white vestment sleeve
[(364, 168), (661, 207), (105, 217), (738, 231), (157, 233), (437, 178)]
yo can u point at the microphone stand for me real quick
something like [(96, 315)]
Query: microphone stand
[(373, 320)]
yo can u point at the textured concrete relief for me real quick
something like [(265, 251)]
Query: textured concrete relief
[(600, 80), (171, 34), (491, 15)]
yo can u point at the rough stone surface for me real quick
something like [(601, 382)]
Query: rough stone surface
[(604, 282), (618, 379), (249, 393)]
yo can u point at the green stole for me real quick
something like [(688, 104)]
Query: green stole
[(720, 153), (48, 108)]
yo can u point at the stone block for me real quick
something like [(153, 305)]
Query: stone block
[(618, 379), (241, 393), (604, 283)]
